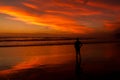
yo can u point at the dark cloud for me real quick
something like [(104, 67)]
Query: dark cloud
[(110, 2), (11, 2), (86, 1)]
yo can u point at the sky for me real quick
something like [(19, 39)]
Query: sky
[(59, 16)]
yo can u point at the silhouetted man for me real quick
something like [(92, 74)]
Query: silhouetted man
[(77, 46)]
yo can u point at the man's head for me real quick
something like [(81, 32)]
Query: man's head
[(77, 39)]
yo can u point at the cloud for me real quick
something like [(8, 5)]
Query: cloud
[(30, 5), (112, 26), (86, 1), (56, 22), (106, 4), (63, 15)]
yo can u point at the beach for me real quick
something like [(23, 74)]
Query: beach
[(57, 62)]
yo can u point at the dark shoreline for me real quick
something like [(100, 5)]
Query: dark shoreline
[(62, 43)]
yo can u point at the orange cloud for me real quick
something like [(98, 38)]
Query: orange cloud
[(71, 8), (52, 21), (76, 16), (112, 26), (109, 27), (84, 12), (30, 5), (104, 6)]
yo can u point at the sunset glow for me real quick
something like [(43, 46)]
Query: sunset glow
[(77, 16)]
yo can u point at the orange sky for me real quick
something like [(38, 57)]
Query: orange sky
[(59, 16)]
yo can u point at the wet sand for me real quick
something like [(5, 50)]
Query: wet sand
[(99, 62), (65, 72)]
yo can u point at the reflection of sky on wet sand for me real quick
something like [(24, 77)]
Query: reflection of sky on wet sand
[(94, 56), (34, 56)]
